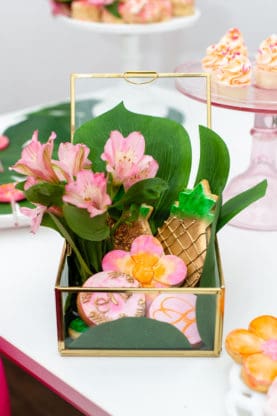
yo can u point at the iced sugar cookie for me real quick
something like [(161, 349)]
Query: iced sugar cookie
[(177, 309), (8, 193), (98, 307)]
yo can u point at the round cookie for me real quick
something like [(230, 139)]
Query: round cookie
[(177, 309), (8, 193), (99, 307)]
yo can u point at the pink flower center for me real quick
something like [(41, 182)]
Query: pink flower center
[(270, 348)]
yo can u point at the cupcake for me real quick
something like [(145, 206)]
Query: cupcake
[(145, 11), (183, 7), (233, 76), (86, 11), (265, 70), (232, 42)]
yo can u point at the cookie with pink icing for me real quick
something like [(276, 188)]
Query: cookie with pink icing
[(99, 307), (265, 70), (145, 11), (4, 142), (9, 193), (177, 309)]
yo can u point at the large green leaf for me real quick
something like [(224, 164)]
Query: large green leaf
[(214, 163), (210, 277), (147, 191), (46, 194), (132, 333), (166, 140), (80, 222), (236, 204), (205, 318)]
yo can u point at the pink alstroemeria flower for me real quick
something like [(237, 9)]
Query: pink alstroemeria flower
[(72, 159), (88, 191), (36, 159), (126, 160), (36, 214), (147, 263)]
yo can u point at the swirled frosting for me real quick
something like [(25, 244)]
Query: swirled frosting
[(231, 43), (266, 58), (234, 70)]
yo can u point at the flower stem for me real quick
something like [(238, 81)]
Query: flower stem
[(69, 239)]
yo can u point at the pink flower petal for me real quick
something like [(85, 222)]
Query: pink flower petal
[(89, 191), (146, 243), (72, 159), (118, 261)]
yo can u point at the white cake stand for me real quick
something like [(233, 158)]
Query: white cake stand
[(261, 215), (130, 34)]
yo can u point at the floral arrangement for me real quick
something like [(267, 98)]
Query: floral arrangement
[(119, 196), (123, 11)]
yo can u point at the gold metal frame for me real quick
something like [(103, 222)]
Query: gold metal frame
[(131, 77), (144, 77), (219, 292)]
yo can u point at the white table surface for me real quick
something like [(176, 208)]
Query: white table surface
[(137, 386)]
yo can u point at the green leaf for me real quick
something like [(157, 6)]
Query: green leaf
[(166, 140), (146, 191), (79, 220), (236, 204), (210, 275), (132, 333), (205, 318), (113, 9), (45, 193), (214, 161)]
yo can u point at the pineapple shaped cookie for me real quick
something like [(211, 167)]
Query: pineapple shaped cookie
[(186, 232), (130, 229)]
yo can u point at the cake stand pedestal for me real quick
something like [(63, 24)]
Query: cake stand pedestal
[(131, 58), (262, 214)]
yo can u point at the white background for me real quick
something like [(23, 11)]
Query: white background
[(37, 52)]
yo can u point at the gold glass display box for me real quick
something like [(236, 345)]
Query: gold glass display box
[(140, 336)]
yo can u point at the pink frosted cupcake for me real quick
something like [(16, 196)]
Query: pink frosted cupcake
[(233, 76), (265, 71), (145, 11)]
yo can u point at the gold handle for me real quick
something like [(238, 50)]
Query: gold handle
[(140, 74)]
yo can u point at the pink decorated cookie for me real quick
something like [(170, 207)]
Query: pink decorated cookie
[(4, 142), (147, 263), (98, 307), (178, 310), (8, 193)]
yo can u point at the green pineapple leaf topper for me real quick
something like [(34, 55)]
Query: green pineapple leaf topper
[(195, 203)]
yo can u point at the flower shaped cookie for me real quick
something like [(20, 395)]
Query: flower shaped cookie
[(256, 350), (147, 263)]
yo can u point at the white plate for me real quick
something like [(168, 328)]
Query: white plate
[(171, 25)]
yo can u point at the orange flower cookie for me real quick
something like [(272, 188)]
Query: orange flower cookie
[(256, 350)]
